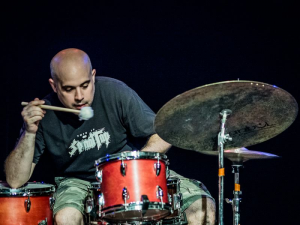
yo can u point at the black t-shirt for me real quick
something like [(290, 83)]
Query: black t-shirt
[(119, 116)]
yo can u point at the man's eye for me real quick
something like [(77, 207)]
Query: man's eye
[(68, 89), (85, 86)]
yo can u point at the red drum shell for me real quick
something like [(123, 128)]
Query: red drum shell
[(140, 179), (13, 208)]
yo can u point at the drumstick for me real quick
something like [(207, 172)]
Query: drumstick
[(55, 108), (84, 113)]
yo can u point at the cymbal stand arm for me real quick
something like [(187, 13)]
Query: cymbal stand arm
[(222, 138)]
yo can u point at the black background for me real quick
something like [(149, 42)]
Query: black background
[(162, 49)]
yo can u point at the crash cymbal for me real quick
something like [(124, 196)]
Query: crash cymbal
[(260, 111), (242, 154)]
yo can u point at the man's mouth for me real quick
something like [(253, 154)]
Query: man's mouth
[(79, 106)]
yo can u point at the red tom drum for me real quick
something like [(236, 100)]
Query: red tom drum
[(29, 204), (133, 187)]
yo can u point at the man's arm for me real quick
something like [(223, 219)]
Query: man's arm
[(156, 144), (18, 165)]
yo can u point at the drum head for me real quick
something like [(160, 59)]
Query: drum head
[(30, 188)]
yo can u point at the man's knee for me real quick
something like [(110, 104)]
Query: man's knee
[(68, 216), (202, 211)]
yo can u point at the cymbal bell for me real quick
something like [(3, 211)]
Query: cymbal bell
[(242, 154), (192, 121)]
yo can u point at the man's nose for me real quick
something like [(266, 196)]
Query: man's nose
[(78, 94)]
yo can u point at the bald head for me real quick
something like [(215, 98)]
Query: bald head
[(73, 79), (69, 62)]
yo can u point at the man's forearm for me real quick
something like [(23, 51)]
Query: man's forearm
[(19, 163), (156, 144)]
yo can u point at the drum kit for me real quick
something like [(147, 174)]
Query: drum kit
[(219, 119)]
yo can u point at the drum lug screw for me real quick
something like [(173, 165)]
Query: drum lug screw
[(89, 205), (28, 203), (177, 200), (123, 168), (99, 175), (169, 198), (157, 167), (51, 202), (125, 195), (160, 194), (101, 200)]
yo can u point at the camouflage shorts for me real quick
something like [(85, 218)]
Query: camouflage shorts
[(191, 190), (71, 192)]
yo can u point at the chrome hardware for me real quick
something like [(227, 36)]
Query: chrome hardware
[(99, 175), (229, 201), (51, 202), (89, 204), (157, 167), (177, 201), (28, 204), (101, 201), (170, 198), (123, 168), (159, 195), (125, 195), (145, 202), (167, 172), (43, 222)]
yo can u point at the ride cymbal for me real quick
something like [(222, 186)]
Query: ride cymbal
[(260, 111)]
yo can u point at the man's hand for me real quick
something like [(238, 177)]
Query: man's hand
[(32, 114)]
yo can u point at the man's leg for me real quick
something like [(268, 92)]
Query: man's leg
[(70, 197), (68, 216), (198, 204), (201, 212)]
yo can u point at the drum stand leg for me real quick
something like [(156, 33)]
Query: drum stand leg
[(222, 138), (235, 202)]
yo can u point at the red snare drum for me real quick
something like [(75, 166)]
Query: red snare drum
[(133, 187), (29, 204)]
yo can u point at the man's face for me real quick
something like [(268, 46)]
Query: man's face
[(75, 90)]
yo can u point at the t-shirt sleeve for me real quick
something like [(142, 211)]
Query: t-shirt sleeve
[(137, 116)]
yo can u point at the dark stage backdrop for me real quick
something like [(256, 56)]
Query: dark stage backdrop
[(161, 50)]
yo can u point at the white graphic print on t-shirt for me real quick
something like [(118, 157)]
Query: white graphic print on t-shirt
[(89, 141)]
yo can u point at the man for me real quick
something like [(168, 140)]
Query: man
[(120, 115)]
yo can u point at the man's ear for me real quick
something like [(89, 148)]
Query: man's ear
[(52, 84), (93, 75)]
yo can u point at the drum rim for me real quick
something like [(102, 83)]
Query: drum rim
[(25, 190), (134, 206), (130, 155)]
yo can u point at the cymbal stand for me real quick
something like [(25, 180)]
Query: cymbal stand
[(235, 202), (222, 138)]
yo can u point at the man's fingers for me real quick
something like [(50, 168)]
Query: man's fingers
[(36, 102), (32, 111), (32, 120)]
